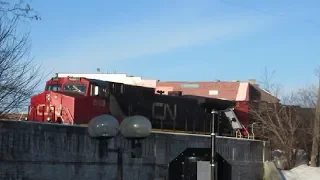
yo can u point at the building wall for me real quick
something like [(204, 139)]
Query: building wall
[(35, 151), (264, 95), (223, 90), (237, 91)]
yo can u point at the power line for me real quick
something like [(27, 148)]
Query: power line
[(267, 12)]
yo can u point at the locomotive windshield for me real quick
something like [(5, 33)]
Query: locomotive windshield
[(76, 88), (53, 87)]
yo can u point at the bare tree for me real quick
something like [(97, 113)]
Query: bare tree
[(286, 125), (19, 77), (316, 128), (20, 9), (266, 82), (307, 96), (282, 125)]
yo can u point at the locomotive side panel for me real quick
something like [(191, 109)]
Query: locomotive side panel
[(165, 112), (170, 112)]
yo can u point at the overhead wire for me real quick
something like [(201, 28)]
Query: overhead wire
[(267, 12)]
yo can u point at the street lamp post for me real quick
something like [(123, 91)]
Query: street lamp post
[(213, 146), (132, 128)]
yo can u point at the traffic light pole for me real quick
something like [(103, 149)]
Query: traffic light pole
[(213, 147)]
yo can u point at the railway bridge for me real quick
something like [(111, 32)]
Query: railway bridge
[(41, 151)]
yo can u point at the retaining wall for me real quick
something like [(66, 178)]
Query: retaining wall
[(34, 151)]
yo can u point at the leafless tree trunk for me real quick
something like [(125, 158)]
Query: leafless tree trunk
[(19, 77), (316, 130)]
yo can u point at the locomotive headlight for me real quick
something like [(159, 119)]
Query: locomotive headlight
[(48, 118), (48, 97)]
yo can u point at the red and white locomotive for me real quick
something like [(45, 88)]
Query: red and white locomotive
[(76, 100)]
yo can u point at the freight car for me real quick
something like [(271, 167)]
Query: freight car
[(71, 100)]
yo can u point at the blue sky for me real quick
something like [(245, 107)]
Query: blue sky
[(181, 39)]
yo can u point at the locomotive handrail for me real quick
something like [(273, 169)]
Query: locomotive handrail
[(245, 129), (59, 113), (69, 114)]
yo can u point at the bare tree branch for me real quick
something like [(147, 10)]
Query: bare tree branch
[(282, 125), (307, 96), (20, 9), (19, 77), (266, 79), (287, 125)]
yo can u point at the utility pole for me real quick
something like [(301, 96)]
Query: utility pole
[(316, 129)]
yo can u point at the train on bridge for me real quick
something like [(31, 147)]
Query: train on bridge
[(76, 100)]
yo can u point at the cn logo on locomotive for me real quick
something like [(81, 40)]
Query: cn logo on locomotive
[(42, 109), (161, 110)]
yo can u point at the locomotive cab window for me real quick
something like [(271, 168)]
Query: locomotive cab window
[(94, 90), (75, 88), (53, 87), (99, 91)]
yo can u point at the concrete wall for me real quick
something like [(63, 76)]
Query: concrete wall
[(33, 151)]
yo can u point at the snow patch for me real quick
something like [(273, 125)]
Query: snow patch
[(302, 172)]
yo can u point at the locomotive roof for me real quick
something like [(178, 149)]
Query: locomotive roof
[(217, 104), (214, 103), (98, 82), (106, 83)]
